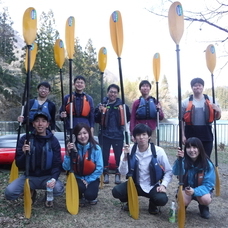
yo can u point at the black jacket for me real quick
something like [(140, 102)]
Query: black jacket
[(112, 130)]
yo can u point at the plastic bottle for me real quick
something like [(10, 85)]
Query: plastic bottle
[(50, 192), (172, 213)]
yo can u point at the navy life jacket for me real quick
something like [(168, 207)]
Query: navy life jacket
[(147, 109), (46, 156), (36, 107), (155, 169)]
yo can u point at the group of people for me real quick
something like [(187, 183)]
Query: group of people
[(140, 159)]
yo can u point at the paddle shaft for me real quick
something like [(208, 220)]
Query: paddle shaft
[(157, 97)]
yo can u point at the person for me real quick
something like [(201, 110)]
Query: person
[(199, 112), (40, 104), (83, 107), (142, 159), (144, 105), (110, 116), (88, 163), (198, 175), (44, 161)]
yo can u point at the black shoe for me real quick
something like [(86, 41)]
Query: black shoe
[(204, 211), (106, 179), (117, 178), (153, 209), (125, 207), (33, 196)]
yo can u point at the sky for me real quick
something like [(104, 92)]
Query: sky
[(144, 35)]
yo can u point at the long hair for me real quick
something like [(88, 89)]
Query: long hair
[(79, 127), (202, 159)]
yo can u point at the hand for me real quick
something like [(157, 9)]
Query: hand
[(189, 191), (25, 147), (63, 114), (161, 188), (180, 153), (70, 146), (51, 183), (20, 119), (101, 107), (126, 151)]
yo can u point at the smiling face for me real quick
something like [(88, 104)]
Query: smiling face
[(192, 152), (43, 91), (145, 90), (40, 124), (112, 94), (79, 85), (83, 136)]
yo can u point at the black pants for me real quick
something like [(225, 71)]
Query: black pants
[(157, 198), (91, 192), (117, 146)]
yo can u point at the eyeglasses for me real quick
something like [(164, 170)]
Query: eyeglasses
[(113, 92), (42, 88)]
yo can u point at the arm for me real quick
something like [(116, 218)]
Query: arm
[(52, 110), (128, 114), (20, 156), (133, 115), (91, 114), (97, 114)]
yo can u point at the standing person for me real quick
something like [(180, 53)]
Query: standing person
[(88, 164), (44, 161), (110, 116), (83, 107), (199, 175), (198, 114), (150, 179), (40, 104), (144, 110)]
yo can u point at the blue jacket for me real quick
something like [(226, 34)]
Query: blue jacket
[(96, 157), (208, 182)]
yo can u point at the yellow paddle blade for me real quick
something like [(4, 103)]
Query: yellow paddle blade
[(102, 59), (116, 31), (29, 25), (181, 208), (133, 201), (27, 199), (59, 53), (69, 36), (13, 172), (72, 195), (156, 66), (217, 184), (176, 21), (211, 58), (33, 52)]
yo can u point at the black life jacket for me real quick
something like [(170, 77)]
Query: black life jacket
[(147, 109), (155, 169), (46, 156), (189, 114), (36, 107)]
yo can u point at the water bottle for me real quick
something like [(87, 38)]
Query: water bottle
[(172, 213), (50, 192)]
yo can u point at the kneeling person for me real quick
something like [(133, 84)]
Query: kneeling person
[(149, 183), (44, 161)]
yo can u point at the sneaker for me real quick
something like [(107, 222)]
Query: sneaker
[(106, 179), (204, 211), (117, 178), (33, 196), (82, 202), (93, 202), (153, 209), (125, 207)]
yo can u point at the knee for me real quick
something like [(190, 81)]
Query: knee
[(9, 194), (161, 199), (115, 193), (59, 188)]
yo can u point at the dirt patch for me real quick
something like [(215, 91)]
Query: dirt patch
[(108, 213)]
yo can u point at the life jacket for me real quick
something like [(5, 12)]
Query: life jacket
[(46, 155), (84, 166), (155, 169), (189, 114), (105, 115), (198, 179), (36, 107), (84, 108), (147, 109)]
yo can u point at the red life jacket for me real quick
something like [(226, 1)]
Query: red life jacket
[(84, 166), (105, 114), (198, 179), (84, 110), (190, 111)]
